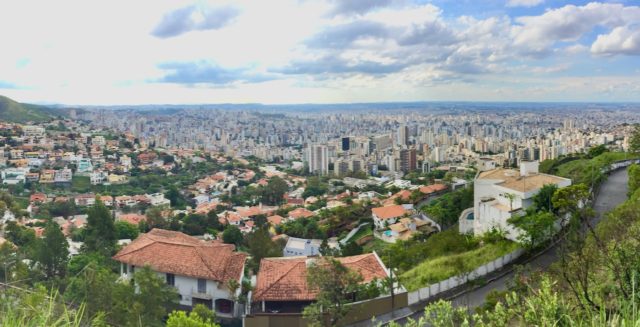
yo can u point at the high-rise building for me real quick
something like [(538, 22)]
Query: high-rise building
[(346, 142), (356, 165), (403, 135), (408, 161), (318, 159), (341, 167)]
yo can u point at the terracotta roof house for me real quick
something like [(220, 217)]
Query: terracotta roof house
[(275, 220), (199, 270), (300, 213), (281, 285), (433, 189), (132, 218), (38, 198), (388, 215)]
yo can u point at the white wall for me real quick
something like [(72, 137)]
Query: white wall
[(186, 286)]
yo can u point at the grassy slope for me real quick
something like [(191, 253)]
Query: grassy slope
[(579, 171), (17, 112), (440, 268)]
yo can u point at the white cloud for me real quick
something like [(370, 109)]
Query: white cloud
[(524, 3), (536, 34), (106, 52), (622, 40)]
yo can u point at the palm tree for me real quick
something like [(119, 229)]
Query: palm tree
[(511, 197)]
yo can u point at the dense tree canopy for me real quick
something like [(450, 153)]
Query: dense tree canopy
[(100, 232)]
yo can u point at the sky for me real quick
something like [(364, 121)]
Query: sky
[(318, 51)]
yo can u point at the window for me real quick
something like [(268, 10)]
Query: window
[(171, 279), (202, 285), (132, 269)]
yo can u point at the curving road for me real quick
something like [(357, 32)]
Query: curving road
[(612, 192)]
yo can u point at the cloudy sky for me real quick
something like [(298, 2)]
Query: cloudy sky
[(324, 51)]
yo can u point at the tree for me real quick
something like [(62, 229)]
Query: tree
[(155, 218), (351, 248), (571, 200), (167, 159), (634, 178), (232, 235), (126, 230), (543, 200), (260, 245), (274, 191), (193, 319), (336, 285), (101, 235), (511, 197), (597, 150), (315, 187), (213, 222), (174, 196), (96, 286), (634, 140), (53, 251), (194, 224), (21, 236), (536, 227), (154, 297)]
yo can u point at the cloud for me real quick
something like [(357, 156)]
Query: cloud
[(356, 7), (622, 40), (194, 18), (336, 65), (203, 72), (344, 35), (430, 32), (524, 3), (536, 34)]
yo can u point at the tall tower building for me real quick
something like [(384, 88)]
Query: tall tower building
[(403, 135), (318, 159), (408, 161)]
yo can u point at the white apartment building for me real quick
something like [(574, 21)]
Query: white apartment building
[(500, 194), (318, 159)]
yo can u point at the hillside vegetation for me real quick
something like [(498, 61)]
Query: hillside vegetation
[(13, 111)]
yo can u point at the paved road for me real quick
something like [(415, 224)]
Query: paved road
[(612, 192)]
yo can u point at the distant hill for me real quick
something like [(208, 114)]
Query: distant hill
[(16, 112)]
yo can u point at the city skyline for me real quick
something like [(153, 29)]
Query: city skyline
[(290, 52)]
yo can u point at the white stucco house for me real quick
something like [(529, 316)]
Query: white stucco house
[(199, 270), (500, 194), (305, 247)]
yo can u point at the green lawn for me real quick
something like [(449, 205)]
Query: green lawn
[(80, 184), (440, 268), (364, 231)]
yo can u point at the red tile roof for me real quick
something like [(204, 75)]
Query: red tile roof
[(132, 218), (38, 197), (180, 254), (285, 279), (388, 212), (300, 213), (433, 188), (275, 220)]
